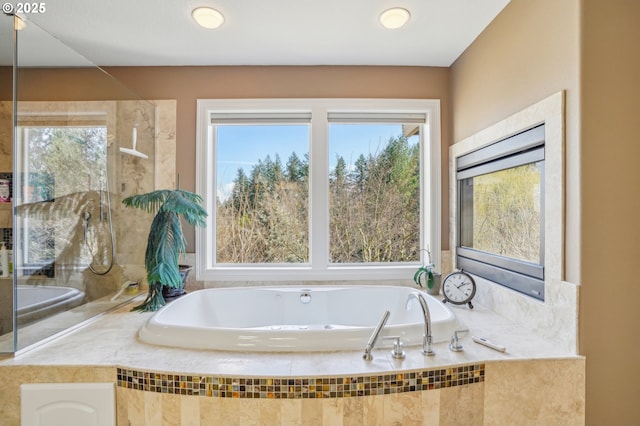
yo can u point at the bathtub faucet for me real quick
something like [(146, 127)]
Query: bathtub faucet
[(374, 336), (427, 339)]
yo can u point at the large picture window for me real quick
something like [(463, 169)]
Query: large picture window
[(317, 189), (262, 197), (501, 205)]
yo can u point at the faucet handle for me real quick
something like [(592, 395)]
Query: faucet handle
[(396, 352), (455, 345)]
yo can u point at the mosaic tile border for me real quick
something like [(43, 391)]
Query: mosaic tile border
[(300, 387)]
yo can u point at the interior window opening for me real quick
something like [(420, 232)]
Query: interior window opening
[(501, 212)]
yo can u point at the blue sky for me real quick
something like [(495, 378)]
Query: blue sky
[(241, 146)]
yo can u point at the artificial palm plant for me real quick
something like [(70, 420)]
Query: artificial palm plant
[(166, 240)]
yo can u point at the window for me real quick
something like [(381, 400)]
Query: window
[(374, 190), (317, 189), (262, 206), (60, 162), (501, 205)]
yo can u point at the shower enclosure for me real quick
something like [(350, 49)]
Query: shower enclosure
[(63, 121)]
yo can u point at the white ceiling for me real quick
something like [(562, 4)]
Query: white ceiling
[(256, 32)]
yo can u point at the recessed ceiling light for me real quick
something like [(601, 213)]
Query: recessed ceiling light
[(207, 17), (394, 18)]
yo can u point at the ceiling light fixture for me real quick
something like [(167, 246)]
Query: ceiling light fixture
[(207, 17), (394, 18)]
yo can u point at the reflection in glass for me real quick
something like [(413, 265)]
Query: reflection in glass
[(505, 211), (67, 177)]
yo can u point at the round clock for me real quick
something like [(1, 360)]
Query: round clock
[(459, 288)]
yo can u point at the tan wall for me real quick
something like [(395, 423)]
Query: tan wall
[(588, 48), (6, 80), (610, 129), (187, 84), (527, 53)]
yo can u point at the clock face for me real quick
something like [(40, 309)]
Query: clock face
[(459, 288)]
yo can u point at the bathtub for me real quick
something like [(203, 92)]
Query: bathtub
[(283, 319), (36, 302)]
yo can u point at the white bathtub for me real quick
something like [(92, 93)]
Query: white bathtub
[(277, 319), (36, 302)]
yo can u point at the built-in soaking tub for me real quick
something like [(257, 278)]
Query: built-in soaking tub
[(36, 302), (273, 319)]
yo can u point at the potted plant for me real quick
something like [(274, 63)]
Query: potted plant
[(166, 242)]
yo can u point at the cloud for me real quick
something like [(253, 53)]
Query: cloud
[(225, 191)]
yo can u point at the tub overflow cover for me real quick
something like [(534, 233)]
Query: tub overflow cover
[(305, 297)]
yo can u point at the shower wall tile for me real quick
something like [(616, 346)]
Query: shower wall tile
[(157, 139), (165, 155), (6, 136)]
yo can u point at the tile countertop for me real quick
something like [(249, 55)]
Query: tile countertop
[(111, 340)]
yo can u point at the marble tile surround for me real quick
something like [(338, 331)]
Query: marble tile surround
[(556, 317), (510, 392), (95, 352)]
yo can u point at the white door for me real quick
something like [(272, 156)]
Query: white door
[(68, 404)]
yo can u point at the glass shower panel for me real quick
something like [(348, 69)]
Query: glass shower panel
[(7, 337), (72, 260)]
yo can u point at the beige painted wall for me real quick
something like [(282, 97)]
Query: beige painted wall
[(527, 53), (186, 84), (610, 129), (590, 49), (6, 79)]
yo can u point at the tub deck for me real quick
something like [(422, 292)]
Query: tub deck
[(111, 340)]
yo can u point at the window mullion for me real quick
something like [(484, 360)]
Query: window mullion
[(319, 189)]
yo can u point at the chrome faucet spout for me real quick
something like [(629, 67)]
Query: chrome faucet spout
[(374, 336), (427, 339)]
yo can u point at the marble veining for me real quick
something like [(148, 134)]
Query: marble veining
[(556, 317), (111, 340)]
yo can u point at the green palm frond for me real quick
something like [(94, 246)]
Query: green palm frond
[(164, 246), (149, 202), (186, 204), (166, 239)]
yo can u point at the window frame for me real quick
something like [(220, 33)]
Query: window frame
[(319, 267), (523, 148)]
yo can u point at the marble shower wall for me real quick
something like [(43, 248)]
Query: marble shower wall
[(5, 135), (127, 174), (157, 139)]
